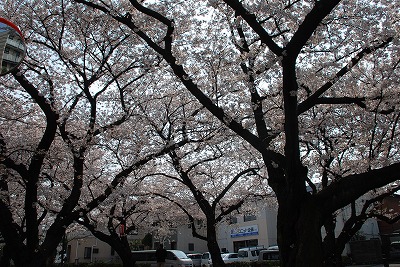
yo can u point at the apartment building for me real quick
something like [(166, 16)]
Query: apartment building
[(12, 48), (249, 230)]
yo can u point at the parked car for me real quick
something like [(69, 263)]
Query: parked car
[(175, 258), (196, 258), (206, 260), (394, 250), (268, 255), (249, 254), (230, 257)]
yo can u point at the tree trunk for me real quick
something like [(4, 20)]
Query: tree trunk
[(309, 244), (213, 246), (5, 258), (34, 261), (123, 250), (286, 235), (329, 243), (302, 247), (23, 257), (127, 261)]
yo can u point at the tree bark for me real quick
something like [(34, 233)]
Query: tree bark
[(36, 260), (329, 243), (5, 258), (308, 249), (213, 246), (300, 243), (127, 261)]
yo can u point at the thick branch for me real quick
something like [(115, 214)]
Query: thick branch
[(191, 218), (348, 189), (315, 99), (320, 10), (255, 25)]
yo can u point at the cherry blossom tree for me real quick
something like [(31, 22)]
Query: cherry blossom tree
[(285, 71), (133, 206), (359, 214), (360, 210), (209, 181), (204, 193), (70, 131), (116, 219)]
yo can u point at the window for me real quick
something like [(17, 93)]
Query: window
[(199, 223), (248, 218), (173, 245), (191, 247), (69, 247), (88, 253), (95, 250), (244, 244), (170, 256), (243, 254), (206, 255), (270, 255)]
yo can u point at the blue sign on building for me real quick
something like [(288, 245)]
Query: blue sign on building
[(244, 231)]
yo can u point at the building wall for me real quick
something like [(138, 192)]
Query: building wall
[(189, 244), (181, 239), (240, 232), (86, 249), (390, 206), (244, 231), (369, 230), (12, 49), (260, 229)]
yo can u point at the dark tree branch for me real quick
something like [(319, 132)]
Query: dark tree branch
[(191, 218), (351, 187), (315, 98), (255, 25)]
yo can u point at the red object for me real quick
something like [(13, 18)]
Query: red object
[(12, 25), (121, 229)]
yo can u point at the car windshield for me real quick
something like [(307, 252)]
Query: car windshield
[(195, 256), (205, 256), (229, 255), (243, 254), (180, 255)]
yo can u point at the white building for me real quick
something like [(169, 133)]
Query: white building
[(242, 231), (184, 240), (87, 248), (249, 230), (12, 48)]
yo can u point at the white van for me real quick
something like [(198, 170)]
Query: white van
[(249, 254), (175, 258), (206, 260), (196, 258), (269, 255)]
